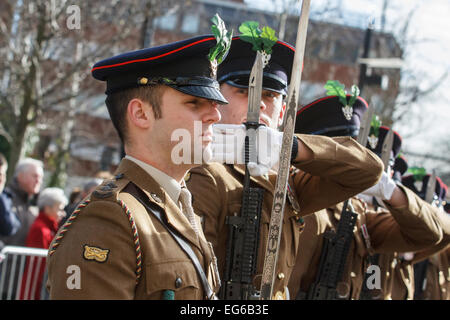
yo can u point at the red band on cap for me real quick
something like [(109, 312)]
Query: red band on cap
[(395, 132), (153, 58), (325, 98)]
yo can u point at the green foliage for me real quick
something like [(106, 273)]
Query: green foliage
[(418, 173), (262, 40), (375, 125), (355, 93), (5, 147), (335, 88), (223, 39)]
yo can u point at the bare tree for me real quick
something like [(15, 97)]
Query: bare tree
[(46, 51)]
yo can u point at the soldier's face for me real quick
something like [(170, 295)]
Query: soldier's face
[(185, 113), (271, 106)]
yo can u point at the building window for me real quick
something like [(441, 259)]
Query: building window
[(167, 22), (190, 23)]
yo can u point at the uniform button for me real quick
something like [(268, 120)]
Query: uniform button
[(281, 276), (178, 282)]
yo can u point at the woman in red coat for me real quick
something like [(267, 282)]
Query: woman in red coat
[(51, 203)]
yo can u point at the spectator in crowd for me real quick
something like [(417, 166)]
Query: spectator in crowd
[(9, 224), (51, 203), (74, 199), (24, 188), (87, 189)]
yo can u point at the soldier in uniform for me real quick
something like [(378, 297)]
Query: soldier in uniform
[(400, 168), (325, 171), (424, 275), (405, 222), (136, 236)]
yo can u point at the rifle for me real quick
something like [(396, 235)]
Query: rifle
[(333, 257), (279, 200), (243, 238)]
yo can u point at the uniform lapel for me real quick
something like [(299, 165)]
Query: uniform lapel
[(158, 196)]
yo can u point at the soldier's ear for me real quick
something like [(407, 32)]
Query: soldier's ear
[(140, 113)]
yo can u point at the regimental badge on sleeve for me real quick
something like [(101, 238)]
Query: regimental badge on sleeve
[(95, 253)]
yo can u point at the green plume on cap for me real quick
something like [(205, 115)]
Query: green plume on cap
[(261, 39), (375, 125), (335, 88), (223, 39), (418, 173)]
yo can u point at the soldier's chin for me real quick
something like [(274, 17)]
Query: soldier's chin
[(207, 154)]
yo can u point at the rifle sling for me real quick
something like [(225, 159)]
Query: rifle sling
[(156, 211)]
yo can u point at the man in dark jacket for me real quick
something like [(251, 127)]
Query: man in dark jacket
[(9, 224), (23, 190)]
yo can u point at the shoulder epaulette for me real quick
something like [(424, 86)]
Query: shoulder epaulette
[(108, 191)]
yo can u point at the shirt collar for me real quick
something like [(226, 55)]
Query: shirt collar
[(169, 184)]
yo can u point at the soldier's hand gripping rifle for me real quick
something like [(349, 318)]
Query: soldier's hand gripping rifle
[(337, 243), (243, 238)]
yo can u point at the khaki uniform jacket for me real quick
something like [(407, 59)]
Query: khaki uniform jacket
[(402, 283), (123, 252), (437, 284), (438, 276), (388, 232), (340, 169)]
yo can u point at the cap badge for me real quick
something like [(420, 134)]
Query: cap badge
[(335, 88), (348, 112), (418, 185), (374, 131), (213, 68), (373, 141)]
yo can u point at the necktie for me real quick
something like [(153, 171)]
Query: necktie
[(186, 203)]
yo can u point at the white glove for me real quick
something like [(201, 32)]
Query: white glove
[(383, 189), (229, 142)]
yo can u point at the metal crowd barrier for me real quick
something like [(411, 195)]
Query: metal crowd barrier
[(12, 273)]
